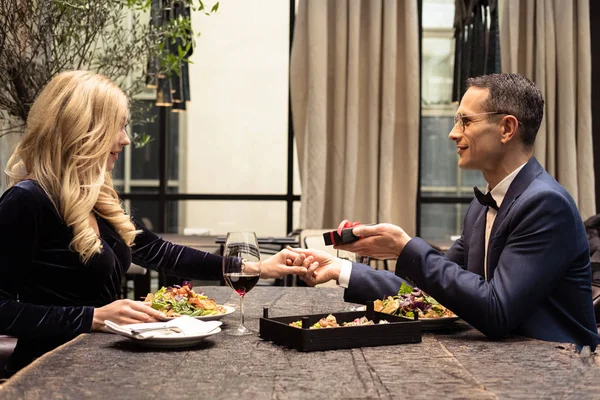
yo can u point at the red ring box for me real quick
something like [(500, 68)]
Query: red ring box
[(333, 238)]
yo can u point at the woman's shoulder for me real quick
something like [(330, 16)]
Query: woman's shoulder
[(25, 194)]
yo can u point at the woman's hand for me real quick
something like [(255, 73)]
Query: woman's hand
[(124, 312), (284, 263)]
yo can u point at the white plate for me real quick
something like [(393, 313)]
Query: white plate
[(174, 341), (215, 317), (164, 339), (430, 324)]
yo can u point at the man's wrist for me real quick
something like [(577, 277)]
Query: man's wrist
[(404, 239), (345, 270)]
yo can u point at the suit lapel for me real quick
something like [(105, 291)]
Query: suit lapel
[(521, 182), (530, 171)]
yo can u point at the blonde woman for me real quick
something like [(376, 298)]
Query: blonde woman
[(65, 241)]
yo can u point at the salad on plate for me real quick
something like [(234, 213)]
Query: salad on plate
[(175, 301), (411, 300)]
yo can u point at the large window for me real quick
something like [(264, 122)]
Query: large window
[(226, 163), (445, 189), (137, 178)]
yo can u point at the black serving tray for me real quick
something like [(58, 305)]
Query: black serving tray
[(398, 331)]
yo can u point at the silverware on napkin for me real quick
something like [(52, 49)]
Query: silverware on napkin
[(141, 329), (140, 332), (184, 324)]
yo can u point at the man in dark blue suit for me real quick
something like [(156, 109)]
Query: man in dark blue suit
[(522, 263)]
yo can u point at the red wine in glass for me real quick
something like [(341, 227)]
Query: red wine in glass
[(241, 269), (241, 283)]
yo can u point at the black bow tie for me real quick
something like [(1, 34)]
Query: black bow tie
[(485, 199)]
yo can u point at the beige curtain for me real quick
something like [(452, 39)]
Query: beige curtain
[(548, 41), (354, 78)]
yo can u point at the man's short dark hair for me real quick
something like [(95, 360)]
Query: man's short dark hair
[(515, 95)]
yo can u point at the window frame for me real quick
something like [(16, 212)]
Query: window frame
[(436, 110)]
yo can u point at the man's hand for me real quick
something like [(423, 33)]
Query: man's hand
[(324, 268), (284, 263), (381, 241)]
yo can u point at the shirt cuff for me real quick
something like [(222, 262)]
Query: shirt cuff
[(345, 271)]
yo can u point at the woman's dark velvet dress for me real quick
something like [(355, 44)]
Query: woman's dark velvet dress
[(47, 295)]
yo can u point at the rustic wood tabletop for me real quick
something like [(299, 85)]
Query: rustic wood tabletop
[(457, 363)]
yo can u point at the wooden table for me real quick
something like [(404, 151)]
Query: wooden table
[(456, 364)]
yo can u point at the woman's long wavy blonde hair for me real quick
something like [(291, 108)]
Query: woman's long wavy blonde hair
[(70, 131)]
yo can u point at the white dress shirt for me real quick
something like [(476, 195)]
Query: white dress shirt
[(498, 194)]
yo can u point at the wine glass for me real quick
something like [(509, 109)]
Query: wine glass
[(241, 269)]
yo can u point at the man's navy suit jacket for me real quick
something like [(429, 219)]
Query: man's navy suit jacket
[(538, 267)]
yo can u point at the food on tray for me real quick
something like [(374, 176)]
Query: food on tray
[(331, 322), (410, 300), (175, 301)]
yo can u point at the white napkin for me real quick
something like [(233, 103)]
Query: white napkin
[(189, 327)]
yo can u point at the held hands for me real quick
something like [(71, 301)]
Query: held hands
[(382, 241), (287, 262), (124, 312), (325, 268)]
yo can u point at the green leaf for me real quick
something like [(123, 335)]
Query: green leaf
[(94, 35), (405, 289), (139, 140)]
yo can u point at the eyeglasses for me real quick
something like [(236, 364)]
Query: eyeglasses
[(462, 120)]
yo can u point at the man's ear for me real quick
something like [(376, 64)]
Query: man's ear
[(510, 126)]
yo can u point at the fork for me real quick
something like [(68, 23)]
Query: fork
[(137, 331)]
